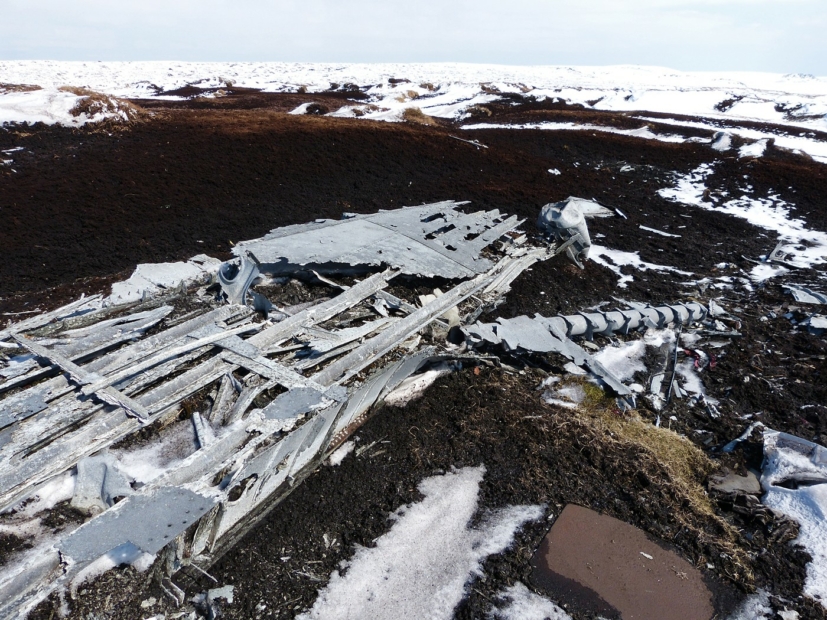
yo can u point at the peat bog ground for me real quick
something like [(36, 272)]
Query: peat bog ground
[(81, 207)]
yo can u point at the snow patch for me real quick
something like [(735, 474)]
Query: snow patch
[(29, 529), (809, 247), (420, 568), (58, 489), (691, 379), (755, 607), (721, 141), (623, 361), (756, 149), (147, 462), (520, 603), (52, 105), (302, 109), (792, 141), (568, 396), (643, 132), (340, 453), (659, 337), (789, 458), (450, 90), (615, 259)]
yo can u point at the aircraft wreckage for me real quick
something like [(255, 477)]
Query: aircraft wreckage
[(269, 391)]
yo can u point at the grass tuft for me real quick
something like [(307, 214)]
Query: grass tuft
[(479, 110), (93, 103), (686, 465), (18, 88), (415, 115)]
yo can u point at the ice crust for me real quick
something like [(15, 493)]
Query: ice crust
[(421, 567)]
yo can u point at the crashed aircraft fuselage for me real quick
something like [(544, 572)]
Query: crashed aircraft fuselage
[(275, 395)]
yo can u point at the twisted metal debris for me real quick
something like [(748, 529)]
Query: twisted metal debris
[(275, 396)]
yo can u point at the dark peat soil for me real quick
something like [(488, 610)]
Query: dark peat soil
[(82, 207)]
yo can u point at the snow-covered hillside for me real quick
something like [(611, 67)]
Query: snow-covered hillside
[(446, 89)]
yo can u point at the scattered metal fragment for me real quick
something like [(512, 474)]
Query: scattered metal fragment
[(476, 143), (805, 295), (544, 335), (228, 390), (816, 324), (203, 433), (590, 323), (674, 388), (266, 423), (658, 232), (732, 483), (780, 256), (658, 396), (294, 403), (99, 483), (224, 592), (794, 476), (232, 474), (83, 377), (743, 437), (566, 222), (237, 276), (84, 305), (207, 601), (172, 591), (262, 304)]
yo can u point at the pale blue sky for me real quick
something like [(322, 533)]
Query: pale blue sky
[(786, 36)]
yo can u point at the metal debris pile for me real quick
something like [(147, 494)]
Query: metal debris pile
[(544, 335), (269, 390)]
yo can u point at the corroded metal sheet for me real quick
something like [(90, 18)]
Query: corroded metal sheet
[(428, 240), (147, 521)]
